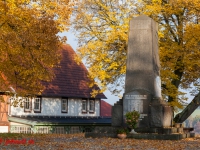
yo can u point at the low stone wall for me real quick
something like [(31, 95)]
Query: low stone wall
[(105, 129), (148, 133), (102, 131)]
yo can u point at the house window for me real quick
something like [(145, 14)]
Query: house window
[(43, 130), (84, 106), (37, 105), (74, 129), (60, 130), (64, 105), (27, 104), (91, 106), (88, 105), (20, 129)]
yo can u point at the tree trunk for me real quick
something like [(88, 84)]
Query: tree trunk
[(182, 116)]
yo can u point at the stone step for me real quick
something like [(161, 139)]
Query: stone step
[(160, 136), (178, 125), (172, 130), (120, 102), (169, 130), (100, 135), (186, 130), (150, 136)]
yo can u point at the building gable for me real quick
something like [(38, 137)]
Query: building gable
[(70, 78)]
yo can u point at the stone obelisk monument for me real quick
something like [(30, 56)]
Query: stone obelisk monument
[(143, 88), (142, 66), (142, 83)]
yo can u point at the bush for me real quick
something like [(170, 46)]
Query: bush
[(131, 119), (122, 130)]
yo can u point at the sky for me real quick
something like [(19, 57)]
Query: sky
[(72, 40)]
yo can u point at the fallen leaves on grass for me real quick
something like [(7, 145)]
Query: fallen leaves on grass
[(79, 142)]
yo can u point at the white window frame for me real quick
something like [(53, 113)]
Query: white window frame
[(91, 106), (43, 130), (37, 102), (64, 105), (27, 102), (88, 105), (21, 129), (84, 106), (59, 130), (74, 130)]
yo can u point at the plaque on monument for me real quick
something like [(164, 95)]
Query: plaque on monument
[(137, 100)]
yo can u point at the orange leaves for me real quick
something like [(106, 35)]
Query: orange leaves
[(29, 42), (77, 141)]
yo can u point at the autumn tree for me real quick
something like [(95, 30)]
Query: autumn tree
[(102, 27), (29, 42), (179, 44)]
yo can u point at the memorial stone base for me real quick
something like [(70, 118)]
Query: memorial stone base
[(161, 114), (173, 133), (117, 114), (158, 128)]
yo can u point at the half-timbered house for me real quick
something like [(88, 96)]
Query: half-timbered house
[(65, 106)]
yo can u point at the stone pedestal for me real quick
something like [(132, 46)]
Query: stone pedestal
[(138, 100), (168, 133), (117, 114), (161, 113)]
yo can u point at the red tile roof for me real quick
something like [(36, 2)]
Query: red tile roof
[(70, 78), (105, 109)]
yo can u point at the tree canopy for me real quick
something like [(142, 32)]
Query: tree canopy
[(29, 42), (102, 27)]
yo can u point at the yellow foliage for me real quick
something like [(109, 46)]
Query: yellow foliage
[(179, 44), (29, 42), (102, 27)]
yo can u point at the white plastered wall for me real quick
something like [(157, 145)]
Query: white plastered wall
[(52, 107)]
